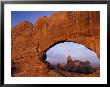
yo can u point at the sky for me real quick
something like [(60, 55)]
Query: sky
[(60, 52), (31, 16)]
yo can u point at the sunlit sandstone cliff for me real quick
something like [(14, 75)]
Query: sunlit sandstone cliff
[(30, 41)]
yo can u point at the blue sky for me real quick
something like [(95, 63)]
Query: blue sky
[(60, 52), (32, 16)]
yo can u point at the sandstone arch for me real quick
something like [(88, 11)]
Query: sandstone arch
[(82, 27), (30, 42)]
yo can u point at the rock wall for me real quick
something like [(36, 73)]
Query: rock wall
[(30, 41)]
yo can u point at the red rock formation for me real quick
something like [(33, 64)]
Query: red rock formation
[(29, 42)]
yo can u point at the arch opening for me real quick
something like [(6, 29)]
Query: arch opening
[(72, 57)]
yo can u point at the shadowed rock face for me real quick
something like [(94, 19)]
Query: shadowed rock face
[(29, 41)]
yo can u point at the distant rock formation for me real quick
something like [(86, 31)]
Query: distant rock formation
[(75, 66), (30, 42), (76, 63), (70, 62)]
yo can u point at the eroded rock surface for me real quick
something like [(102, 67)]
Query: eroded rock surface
[(30, 41)]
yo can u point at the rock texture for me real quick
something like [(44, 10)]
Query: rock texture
[(29, 41)]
